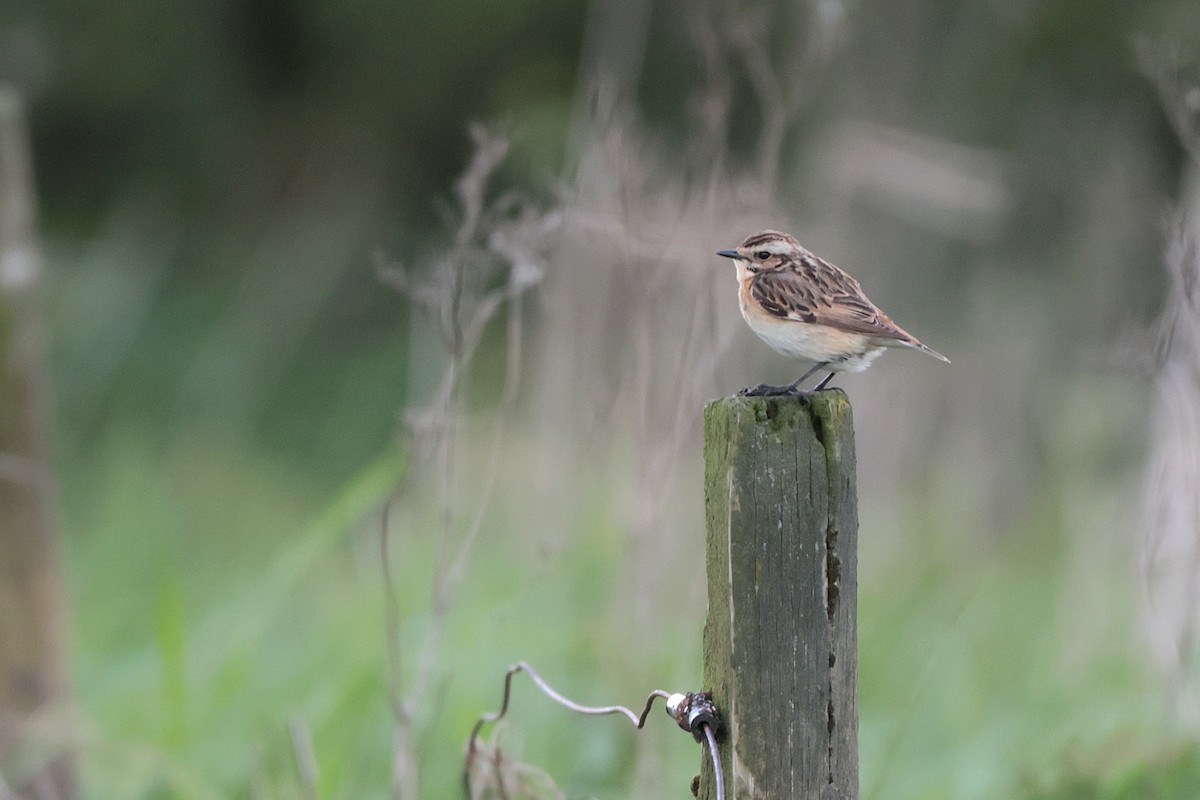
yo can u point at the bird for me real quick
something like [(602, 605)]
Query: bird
[(808, 309)]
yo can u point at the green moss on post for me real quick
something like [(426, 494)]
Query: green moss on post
[(780, 643)]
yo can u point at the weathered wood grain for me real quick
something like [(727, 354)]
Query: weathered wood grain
[(780, 642)]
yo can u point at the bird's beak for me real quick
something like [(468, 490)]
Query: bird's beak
[(729, 253)]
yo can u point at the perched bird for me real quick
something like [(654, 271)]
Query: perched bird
[(808, 309)]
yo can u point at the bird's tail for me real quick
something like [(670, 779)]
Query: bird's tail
[(918, 346)]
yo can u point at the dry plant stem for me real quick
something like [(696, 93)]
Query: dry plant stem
[(1162, 67), (508, 398), (391, 610), (1170, 559), (306, 759), (1170, 562), (782, 91), (405, 775), (711, 102), (777, 101), (461, 318), (451, 569), (498, 759), (35, 694)]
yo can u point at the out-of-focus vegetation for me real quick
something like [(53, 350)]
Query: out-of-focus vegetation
[(240, 394)]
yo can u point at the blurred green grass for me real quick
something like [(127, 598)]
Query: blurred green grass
[(194, 653), (970, 679), (216, 603)]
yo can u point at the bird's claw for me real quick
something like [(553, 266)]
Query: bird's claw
[(767, 390)]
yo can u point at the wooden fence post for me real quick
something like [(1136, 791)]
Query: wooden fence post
[(780, 642)]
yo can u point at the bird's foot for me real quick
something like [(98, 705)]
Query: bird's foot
[(767, 390)]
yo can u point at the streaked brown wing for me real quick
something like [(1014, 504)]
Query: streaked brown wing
[(821, 293)]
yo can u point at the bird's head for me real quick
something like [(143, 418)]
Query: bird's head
[(766, 250)]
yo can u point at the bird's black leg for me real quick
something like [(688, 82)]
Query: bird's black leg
[(821, 385), (794, 386)]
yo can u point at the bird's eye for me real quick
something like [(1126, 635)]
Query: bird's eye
[(762, 255)]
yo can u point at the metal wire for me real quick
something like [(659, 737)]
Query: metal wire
[(718, 773), (638, 720)]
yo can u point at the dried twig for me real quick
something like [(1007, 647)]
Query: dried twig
[(782, 90), (1170, 557), (492, 240), (306, 758), (1180, 98)]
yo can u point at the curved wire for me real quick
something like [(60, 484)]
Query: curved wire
[(521, 666)]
